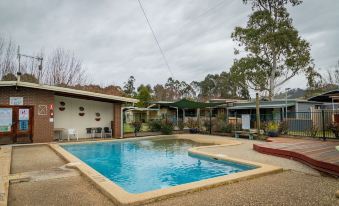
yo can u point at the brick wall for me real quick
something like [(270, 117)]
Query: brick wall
[(117, 120), (43, 129)]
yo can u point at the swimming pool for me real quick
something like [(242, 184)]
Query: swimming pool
[(139, 166)]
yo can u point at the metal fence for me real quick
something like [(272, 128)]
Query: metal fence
[(311, 124)]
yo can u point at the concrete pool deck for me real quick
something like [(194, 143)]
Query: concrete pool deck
[(287, 188)]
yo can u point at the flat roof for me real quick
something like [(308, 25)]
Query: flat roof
[(326, 96), (277, 103), (266, 106), (69, 91)]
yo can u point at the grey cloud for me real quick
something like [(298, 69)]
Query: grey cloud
[(114, 41)]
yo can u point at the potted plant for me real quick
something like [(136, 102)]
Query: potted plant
[(97, 116), (272, 129)]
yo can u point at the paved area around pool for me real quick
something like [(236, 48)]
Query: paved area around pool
[(33, 158), (48, 182), (297, 185), (62, 191)]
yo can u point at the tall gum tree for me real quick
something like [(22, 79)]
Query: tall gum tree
[(273, 51)]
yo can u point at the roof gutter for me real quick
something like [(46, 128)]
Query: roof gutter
[(67, 90)]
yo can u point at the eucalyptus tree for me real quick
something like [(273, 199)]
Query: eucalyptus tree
[(129, 87), (271, 48)]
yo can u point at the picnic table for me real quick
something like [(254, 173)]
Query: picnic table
[(250, 133)]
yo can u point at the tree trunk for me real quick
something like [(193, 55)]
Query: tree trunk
[(272, 77)]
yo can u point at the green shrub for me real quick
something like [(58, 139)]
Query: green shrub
[(283, 127), (227, 128), (155, 125), (236, 127), (272, 127), (137, 126), (166, 128), (181, 125)]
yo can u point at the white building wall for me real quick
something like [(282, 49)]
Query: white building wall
[(70, 118)]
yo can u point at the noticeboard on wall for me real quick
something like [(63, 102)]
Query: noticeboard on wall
[(23, 114), (16, 101), (246, 121), (6, 119)]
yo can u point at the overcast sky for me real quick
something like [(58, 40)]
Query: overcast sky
[(113, 40)]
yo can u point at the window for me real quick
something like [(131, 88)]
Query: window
[(5, 119)]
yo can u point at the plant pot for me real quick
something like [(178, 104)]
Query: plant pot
[(272, 134)]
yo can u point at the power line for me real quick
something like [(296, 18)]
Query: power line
[(183, 26), (156, 39)]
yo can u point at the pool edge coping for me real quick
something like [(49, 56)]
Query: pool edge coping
[(5, 162), (121, 197)]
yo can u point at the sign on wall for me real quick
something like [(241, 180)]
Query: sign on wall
[(5, 119), (23, 114), (246, 121), (16, 101)]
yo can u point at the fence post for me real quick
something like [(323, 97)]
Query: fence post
[(210, 121), (323, 121)]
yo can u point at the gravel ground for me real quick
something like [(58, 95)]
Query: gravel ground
[(286, 188), (245, 151), (33, 158), (62, 191)]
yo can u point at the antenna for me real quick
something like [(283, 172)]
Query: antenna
[(33, 58), (19, 70)]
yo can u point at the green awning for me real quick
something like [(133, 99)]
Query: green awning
[(188, 104)]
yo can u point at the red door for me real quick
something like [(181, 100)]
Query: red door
[(16, 122)]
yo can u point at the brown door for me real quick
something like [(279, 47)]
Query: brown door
[(16, 122)]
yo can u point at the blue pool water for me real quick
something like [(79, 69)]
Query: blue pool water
[(146, 165)]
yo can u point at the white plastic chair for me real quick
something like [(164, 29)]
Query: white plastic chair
[(72, 132)]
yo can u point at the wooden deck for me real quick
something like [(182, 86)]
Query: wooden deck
[(320, 155)]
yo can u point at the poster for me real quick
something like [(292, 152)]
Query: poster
[(246, 121), (23, 114), (5, 119), (16, 101)]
